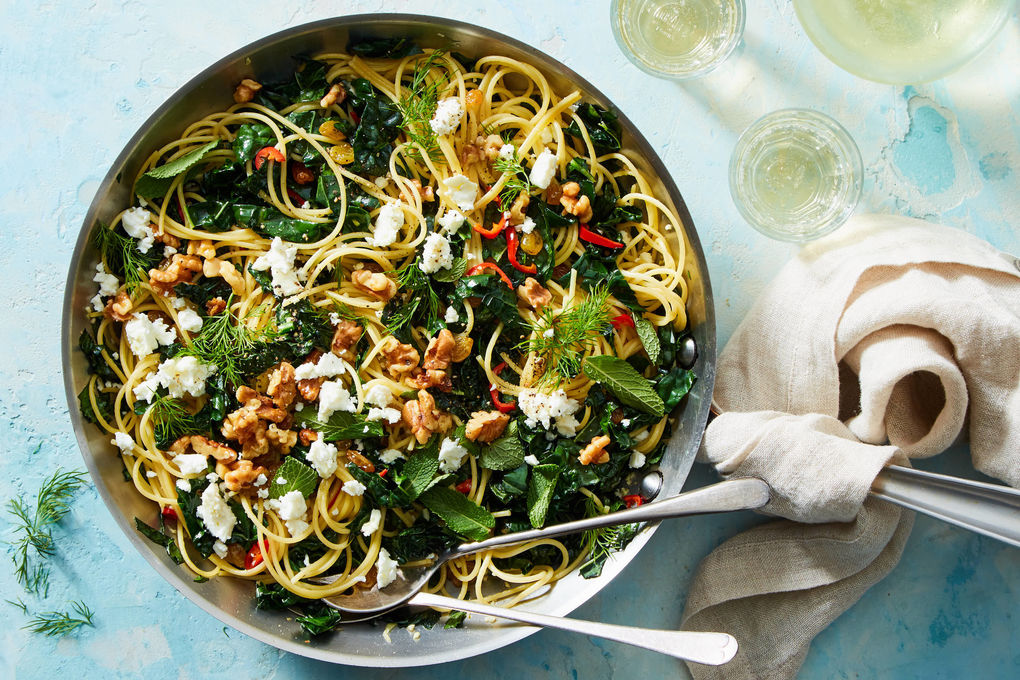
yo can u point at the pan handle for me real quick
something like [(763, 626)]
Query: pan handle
[(989, 509)]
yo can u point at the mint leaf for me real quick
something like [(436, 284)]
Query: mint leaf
[(455, 271), (649, 338), (157, 181), (419, 471), (293, 475), (461, 515), (540, 492), (341, 425), (506, 453), (625, 383)]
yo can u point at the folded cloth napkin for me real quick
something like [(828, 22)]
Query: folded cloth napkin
[(872, 346)]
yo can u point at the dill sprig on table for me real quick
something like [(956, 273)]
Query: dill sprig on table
[(56, 623), (33, 526), (419, 105), (517, 181), (574, 331)]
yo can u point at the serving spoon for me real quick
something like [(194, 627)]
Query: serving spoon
[(706, 648)]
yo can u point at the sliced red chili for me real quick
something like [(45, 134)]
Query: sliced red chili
[(512, 243), (586, 234), (622, 320), (464, 487), (168, 513), (480, 268), (382, 473), (496, 229), (494, 392), (355, 117), (254, 557), (267, 153), (633, 500), (295, 197)]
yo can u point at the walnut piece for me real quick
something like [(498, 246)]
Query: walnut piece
[(244, 427), (491, 146), (595, 452), (423, 418), (426, 194), (335, 95), (216, 267), (576, 204), (401, 359), (203, 248), (245, 90), (309, 387), (520, 204), (440, 351), (306, 436), (282, 386), (180, 269), (486, 426), (215, 306), (376, 284), (345, 337), (240, 475), (259, 426), (282, 440), (164, 238), (205, 446), (119, 308), (534, 293)]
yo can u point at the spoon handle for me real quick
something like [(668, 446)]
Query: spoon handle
[(737, 494), (708, 648)]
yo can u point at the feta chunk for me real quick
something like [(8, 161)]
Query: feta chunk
[(371, 525), (451, 315), (461, 191), (637, 459), (184, 485), (531, 459), (387, 225), (507, 152), (280, 262), (451, 455), (333, 397), (184, 375), (108, 283), (144, 335), (378, 395), (436, 254), (353, 488), (191, 463), (123, 441), (220, 548), (390, 415), (450, 221), (322, 457), (136, 223), (291, 508), (328, 366), (189, 320), (543, 170), (389, 456), (386, 569), (527, 226), (215, 514), (448, 114), (548, 409)]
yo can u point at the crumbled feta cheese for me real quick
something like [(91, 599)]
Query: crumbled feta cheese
[(108, 283), (543, 170), (531, 459), (387, 225), (220, 548), (144, 335), (280, 261), (385, 568), (382, 181), (371, 525), (436, 254), (189, 320), (299, 407), (291, 508), (461, 190), (451, 455), (178, 302), (449, 111), (389, 456), (97, 303), (214, 512), (191, 463), (390, 415), (322, 457), (641, 436), (261, 479), (136, 223), (378, 395), (327, 366), (625, 422), (451, 315), (335, 318), (549, 332), (169, 251), (637, 459), (150, 474), (146, 390), (184, 375), (546, 136), (353, 488), (333, 397), (508, 152), (549, 408), (123, 441), (527, 226), (262, 493), (184, 485), (573, 107), (450, 221), (212, 477)]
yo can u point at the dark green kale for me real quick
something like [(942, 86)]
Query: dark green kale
[(378, 128), (603, 127)]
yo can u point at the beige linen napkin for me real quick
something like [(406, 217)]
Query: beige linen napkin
[(875, 344)]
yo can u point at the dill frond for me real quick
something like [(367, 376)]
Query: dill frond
[(419, 105), (517, 181), (171, 419), (601, 543), (226, 341), (33, 527), (55, 623), (18, 604), (574, 331), (410, 277), (121, 253)]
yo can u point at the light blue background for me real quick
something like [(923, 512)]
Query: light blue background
[(76, 81)]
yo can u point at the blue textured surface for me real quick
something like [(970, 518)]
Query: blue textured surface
[(78, 80)]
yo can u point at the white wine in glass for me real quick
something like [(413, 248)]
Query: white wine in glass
[(902, 41)]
